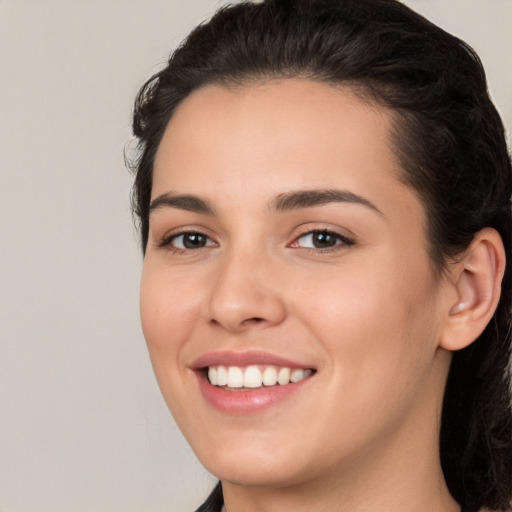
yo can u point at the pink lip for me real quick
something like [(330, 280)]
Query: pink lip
[(230, 358), (246, 401)]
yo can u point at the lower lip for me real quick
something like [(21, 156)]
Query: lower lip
[(246, 401)]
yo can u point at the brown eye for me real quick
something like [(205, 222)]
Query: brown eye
[(190, 241), (321, 240)]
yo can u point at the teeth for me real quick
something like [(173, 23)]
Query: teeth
[(255, 376), (270, 376), (296, 375), (235, 377), (252, 377), (283, 377), (212, 375), (222, 376)]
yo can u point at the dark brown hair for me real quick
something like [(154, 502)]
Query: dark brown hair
[(451, 145)]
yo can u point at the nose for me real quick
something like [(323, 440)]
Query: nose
[(244, 297)]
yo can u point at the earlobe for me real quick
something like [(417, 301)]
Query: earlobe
[(477, 279)]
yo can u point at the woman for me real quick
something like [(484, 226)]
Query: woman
[(323, 191)]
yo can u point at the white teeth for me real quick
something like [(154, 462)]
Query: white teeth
[(255, 376), (252, 377), (212, 375), (270, 376), (235, 377), (283, 377), (222, 376), (296, 375)]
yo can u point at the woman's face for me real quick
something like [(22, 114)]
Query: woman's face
[(281, 240)]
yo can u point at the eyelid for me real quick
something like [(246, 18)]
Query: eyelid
[(344, 240), (166, 240)]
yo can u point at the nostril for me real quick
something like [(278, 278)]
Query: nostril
[(244, 324), (255, 320)]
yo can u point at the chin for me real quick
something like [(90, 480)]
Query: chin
[(253, 466), (255, 476)]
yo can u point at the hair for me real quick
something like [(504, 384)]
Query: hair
[(451, 146)]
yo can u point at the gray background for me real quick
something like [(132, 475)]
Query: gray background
[(82, 425)]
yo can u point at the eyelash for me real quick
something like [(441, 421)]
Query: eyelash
[(168, 240), (341, 241)]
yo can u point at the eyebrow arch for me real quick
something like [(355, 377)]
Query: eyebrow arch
[(185, 202), (309, 198)]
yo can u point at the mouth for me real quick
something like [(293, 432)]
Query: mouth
[(240, 378), (249, 382)]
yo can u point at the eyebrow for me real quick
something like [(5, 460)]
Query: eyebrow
[(185, 202), (295, 200), (310, 198)]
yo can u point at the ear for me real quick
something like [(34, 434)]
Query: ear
[(477, 281)]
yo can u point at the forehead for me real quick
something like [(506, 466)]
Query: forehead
[(250, 143), (297, 123)]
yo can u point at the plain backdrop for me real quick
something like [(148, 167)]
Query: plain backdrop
[(82, 425)]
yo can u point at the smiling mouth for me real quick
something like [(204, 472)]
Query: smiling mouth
[(237, 378)]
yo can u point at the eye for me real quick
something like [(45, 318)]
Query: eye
[(190, 240), (321, 239)]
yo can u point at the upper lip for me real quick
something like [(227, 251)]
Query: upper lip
[(247, 358)]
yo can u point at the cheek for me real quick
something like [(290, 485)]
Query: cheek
[(379, 346), (168, 313), (167, 317), (376, 328)]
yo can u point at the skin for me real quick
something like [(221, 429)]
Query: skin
[(368, 315)]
